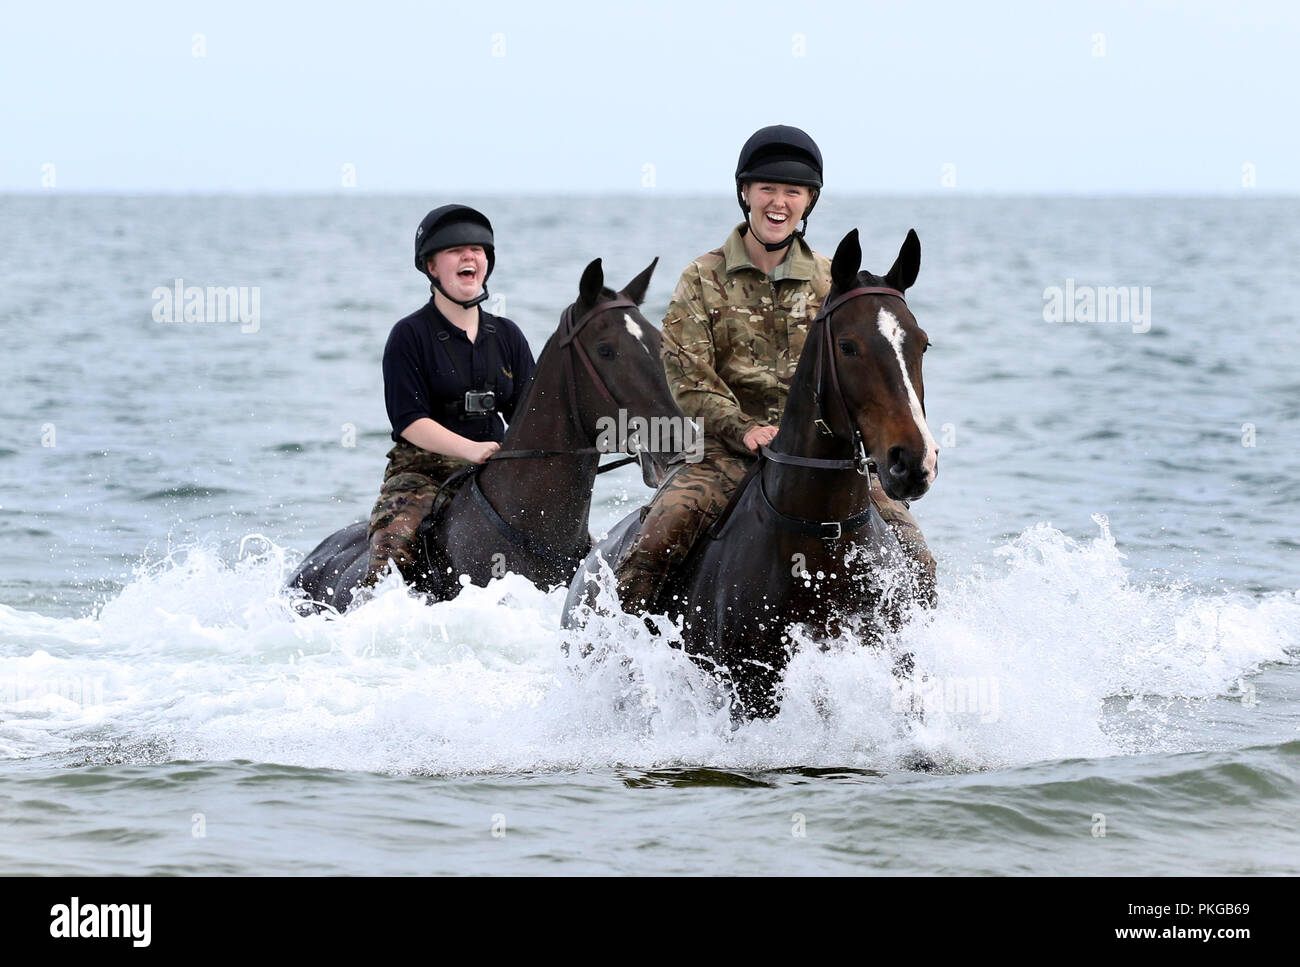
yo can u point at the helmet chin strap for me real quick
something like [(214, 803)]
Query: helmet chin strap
[(773, 246), (467, 304)]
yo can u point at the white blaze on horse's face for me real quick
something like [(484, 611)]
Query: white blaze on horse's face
[(637, 333), (893, 332)]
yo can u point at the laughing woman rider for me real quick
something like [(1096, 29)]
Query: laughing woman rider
[(451, 372), (731, 340)]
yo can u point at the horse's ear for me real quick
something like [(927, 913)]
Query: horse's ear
[(593, 280), (907, 265), (847, 261), (635, 290)]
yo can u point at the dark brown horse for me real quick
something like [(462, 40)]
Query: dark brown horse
[(801, 543), (526, 509)]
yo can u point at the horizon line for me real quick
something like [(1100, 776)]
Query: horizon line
[(1235, 193)]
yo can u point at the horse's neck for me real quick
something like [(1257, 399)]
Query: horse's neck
[(803, 491), (548, 497)]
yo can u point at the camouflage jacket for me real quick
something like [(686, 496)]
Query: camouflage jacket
[(733, 335)]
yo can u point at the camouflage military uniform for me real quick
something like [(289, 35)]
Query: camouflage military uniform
[(731, 342), (410, 483)]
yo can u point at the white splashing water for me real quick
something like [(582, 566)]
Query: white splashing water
[(202, 659)]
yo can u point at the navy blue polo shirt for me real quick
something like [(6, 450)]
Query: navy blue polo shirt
[(428, 376)]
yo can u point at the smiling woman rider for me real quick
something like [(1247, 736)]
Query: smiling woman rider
[(451, 372), (731, 340)]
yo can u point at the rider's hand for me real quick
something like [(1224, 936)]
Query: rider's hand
[(479, 452), (760, 436)]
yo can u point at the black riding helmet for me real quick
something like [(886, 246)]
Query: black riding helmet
[(447, 227), (785, 155)]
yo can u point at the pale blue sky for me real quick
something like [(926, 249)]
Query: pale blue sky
[(481, 97)]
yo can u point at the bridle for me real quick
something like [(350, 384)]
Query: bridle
[(826, 362), (860, 461), (570, 327), (568, 334)]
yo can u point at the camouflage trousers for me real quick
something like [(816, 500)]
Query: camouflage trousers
[(693, 497), (410, 483)]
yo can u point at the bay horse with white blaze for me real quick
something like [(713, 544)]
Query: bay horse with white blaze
[(801, 542)]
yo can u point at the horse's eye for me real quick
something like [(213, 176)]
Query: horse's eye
[(847, 348), (605, 351)]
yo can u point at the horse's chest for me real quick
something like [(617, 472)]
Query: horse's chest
[(808, 584)]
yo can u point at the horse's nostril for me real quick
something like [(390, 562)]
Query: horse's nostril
[(897, 464)]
